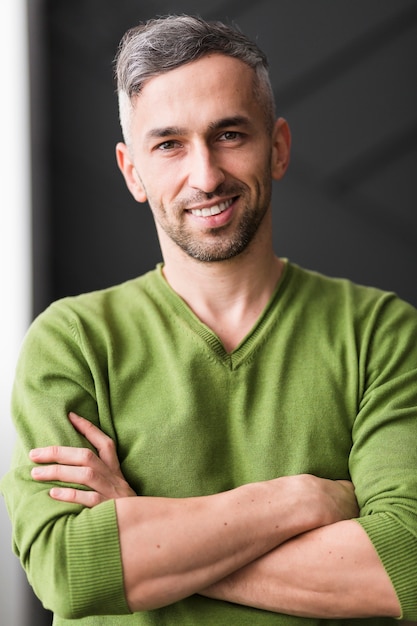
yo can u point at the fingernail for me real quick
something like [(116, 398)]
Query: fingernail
[(34, 452), (38, 471), (55, 492)]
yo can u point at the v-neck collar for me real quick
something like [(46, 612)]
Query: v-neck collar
[(249, 344)]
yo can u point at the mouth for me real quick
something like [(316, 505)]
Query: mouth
[(216, 209)]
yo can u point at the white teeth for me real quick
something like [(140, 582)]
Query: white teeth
[(214, 210)]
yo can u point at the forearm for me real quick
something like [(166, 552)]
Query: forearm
[(330, 572), (172, 548)]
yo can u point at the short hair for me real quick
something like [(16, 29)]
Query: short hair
[(165, 43)]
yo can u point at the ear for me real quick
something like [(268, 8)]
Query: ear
[(281, 145), (129, 172)]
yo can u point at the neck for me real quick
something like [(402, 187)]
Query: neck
[(227, 296)]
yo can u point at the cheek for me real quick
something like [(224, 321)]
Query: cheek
[(258, 177), (169, 185), (253, 164)]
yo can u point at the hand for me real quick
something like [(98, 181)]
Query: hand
[(320, 501), (342, 495), (100, 473)]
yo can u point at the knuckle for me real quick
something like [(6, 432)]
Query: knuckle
[(88, 474), (70, 494), (54, 451), (73, 494), (94, 499), (87, 424), (55, 470), (87, 455), (108, 445)]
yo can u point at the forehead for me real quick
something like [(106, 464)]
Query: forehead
[(214, 87)]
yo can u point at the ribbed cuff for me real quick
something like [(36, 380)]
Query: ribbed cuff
[(397, 549), (96, 569)]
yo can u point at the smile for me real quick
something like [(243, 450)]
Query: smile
[(213, 210)]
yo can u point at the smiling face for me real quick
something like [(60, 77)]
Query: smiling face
[(202, 155)]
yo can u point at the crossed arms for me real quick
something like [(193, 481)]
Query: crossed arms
[(287, 545)]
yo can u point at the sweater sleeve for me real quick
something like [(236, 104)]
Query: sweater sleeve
[(383, 460), (71, 554)]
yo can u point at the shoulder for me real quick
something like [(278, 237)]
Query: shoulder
[(338, 307), (320, 290), (120, 299), (97, 314)]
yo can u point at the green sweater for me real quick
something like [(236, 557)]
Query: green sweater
[(325, 383)]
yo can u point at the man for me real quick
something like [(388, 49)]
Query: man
[(240, 393)]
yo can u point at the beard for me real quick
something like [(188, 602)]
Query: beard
[(225, 242), (222, 246)]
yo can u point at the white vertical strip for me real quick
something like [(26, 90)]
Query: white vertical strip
[(15, 253)]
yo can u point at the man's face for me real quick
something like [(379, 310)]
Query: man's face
[(201, 153)]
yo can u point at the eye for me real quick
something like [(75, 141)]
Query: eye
[(167, 145), (230, 135)]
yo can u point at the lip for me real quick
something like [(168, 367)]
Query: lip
[(210, 205), (220, 218)]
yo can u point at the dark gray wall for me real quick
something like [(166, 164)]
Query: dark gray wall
[(344, 75)]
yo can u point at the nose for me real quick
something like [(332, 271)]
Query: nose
[(205, 173)]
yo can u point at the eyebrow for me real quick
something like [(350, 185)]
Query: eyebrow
[(236, 120), (166, 131), (169, 131)]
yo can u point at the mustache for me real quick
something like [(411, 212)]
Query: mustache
[(225, 190)]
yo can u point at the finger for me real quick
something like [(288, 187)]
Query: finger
[(346, 483), (78, 475), (65, 455), (100, 478), (76, 496), (102, 443)]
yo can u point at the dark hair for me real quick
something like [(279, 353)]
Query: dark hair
[(163, 44)]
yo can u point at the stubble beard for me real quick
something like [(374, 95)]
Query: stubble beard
[(217, 244)]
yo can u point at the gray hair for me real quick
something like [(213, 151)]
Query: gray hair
[(163, 44)]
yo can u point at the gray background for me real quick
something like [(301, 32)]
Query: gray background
[(344, 77), (344, 74)]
